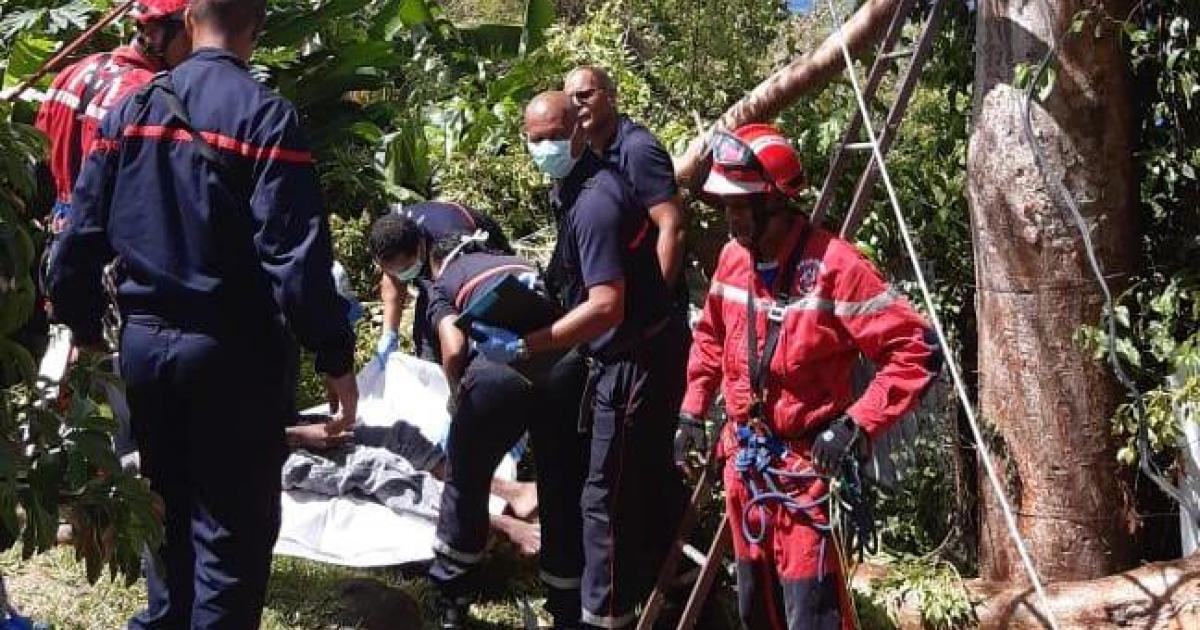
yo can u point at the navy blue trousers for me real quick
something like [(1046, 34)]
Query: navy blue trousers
[(634, 496), (208, 414), (495, 407)]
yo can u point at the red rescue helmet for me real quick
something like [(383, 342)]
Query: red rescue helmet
[(150, 10), (754, 159)]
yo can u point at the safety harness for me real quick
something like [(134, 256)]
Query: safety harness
[(759, 448)]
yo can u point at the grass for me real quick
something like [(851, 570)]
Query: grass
[(302, 595)]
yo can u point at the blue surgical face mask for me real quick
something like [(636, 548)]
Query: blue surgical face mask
[(553, 157), (412, 271), (410, 274)]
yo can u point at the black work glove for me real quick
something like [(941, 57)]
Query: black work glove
[(690, 438), (832, 444)]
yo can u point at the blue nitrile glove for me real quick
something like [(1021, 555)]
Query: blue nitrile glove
[(497, 344), (388, 343)]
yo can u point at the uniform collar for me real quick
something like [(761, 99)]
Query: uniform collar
[(133, 57), (218, 54), (795, 238), (622, 129), (567, 190)]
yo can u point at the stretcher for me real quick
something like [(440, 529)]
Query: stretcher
[(357, 532)]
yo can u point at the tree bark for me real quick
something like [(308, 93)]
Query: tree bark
[(1159, 596), (1047, 399), (782, 88)]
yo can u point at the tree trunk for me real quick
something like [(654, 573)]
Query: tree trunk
[(782, 88), (1047, 399), (1159, 596)]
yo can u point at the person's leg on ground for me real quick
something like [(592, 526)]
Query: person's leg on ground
[(236, 410), (760, 598), (612, 498), (559, 452), (161, 439), (487, 422), (805, 560)]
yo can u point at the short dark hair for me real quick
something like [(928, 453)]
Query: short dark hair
[(392, 235), (229, 16), (600, 75)]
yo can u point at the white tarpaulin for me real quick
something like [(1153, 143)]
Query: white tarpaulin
[(362, 533)]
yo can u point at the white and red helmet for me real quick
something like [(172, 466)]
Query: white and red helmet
[(151, 10), (754, 159)]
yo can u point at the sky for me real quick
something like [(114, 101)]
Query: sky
[(800, 6)]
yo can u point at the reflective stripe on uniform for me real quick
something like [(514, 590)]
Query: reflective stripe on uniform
[(607, 622), (223, 142), (866, 307), (63, 97), (456, 555), (561, 583), (810, 303)]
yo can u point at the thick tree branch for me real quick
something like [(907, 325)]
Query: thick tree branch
[(806, 74)]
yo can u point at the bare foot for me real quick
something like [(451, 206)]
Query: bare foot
[(521, 497), (527, 537)]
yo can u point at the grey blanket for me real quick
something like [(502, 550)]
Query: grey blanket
[(367, 472)]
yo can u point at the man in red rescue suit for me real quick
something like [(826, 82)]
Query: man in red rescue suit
[(783, 361), (83, 93)]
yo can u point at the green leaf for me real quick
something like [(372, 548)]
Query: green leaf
[(398, 15), (493, 40), (1048, 86), (539, 15), (293, 28), (1126, 350), (1021, 76), (28, 54)]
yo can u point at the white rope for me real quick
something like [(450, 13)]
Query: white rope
[(955, 373)]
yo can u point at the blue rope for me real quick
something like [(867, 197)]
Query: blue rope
[(757, 452)]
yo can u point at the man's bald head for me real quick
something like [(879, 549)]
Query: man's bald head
[(550, 116)]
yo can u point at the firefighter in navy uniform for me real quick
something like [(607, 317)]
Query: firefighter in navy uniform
[(202, 190), (417, 228), (494, 405), (605, 271), (783, 361)]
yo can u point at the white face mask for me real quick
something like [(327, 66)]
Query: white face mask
[(554, 157)]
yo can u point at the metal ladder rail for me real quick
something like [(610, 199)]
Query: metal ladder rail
[(722, 542), (884, 59), (895, 117)]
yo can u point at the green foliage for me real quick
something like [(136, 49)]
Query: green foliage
[(936, 588), (58, 463), (56, 457), (1158, 316)]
